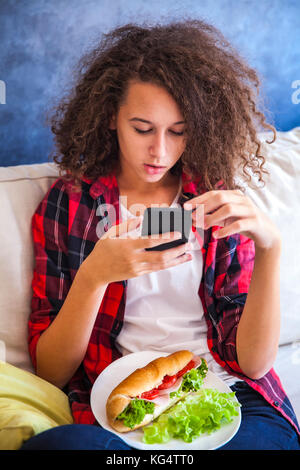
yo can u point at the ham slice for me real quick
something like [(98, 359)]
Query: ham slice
[(164, 395)]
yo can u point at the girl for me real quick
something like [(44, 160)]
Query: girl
[(160, 115)]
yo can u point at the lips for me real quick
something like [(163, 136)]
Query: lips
[(154, 166), (153, 170)]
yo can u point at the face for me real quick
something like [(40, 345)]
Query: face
[(151, 135)]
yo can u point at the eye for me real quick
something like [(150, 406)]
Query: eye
[(149, 130), (177, 133), (141, 132)]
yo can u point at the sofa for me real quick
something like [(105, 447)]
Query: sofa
[(29, 404)]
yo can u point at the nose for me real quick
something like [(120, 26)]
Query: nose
[(158, 146)]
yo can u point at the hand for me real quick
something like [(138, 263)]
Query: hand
[(119, 255), (236, 213)]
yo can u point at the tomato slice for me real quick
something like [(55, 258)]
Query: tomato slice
[(167, 382), (151, 394), (188, 367)]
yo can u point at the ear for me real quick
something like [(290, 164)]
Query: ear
[(113, 124)]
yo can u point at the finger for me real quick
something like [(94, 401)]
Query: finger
[(176, 261), (242, 226), (168, 254), (156, 260), (176, 251), (222, 198), (198, 216), (156, 239), (213, 200), (226, 214), (169, 263)]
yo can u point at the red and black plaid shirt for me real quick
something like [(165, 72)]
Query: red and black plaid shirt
[(64, 234)]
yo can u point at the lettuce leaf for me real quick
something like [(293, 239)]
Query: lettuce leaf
[(201, 412), (135, 412), (192, 380)]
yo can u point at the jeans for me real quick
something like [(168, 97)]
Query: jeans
[(262, 428)]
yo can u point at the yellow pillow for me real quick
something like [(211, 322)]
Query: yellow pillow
[(28, 406)]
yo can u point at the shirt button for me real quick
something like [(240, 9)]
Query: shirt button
[(276, 403)]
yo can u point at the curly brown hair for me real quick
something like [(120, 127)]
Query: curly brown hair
[(216, 91)]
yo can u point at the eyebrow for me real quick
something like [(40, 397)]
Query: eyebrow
[(149, 122)]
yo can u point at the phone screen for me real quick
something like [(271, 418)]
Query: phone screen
[(159, 220)]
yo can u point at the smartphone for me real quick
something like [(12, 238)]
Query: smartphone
[(158, 220)]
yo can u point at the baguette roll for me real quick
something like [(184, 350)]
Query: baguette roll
[(143, 380)]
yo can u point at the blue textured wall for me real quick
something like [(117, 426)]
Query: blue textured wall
[(41, 40)]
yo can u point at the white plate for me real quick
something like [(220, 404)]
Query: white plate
[(119, 370)]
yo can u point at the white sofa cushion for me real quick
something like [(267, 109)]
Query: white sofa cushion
[(280, 200), (21, 189), (287, 366)]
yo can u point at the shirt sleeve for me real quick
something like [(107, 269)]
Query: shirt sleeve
[(51, 277), (234, 262)]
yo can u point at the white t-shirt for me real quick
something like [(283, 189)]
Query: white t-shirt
[(164, 312)]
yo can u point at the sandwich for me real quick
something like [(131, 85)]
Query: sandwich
[(149, 391)]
